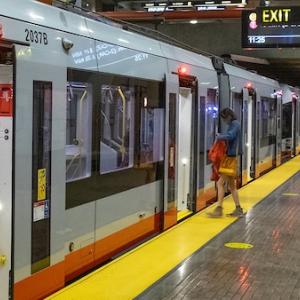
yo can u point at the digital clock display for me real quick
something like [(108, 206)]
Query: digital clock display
[(271, 27)]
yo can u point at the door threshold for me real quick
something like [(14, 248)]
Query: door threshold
[(181, 214)]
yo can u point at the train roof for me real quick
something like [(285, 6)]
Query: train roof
[(101, 29), (251, 76)]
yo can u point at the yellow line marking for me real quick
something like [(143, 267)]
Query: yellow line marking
[(238, 245), (290, 194), (132, 273)]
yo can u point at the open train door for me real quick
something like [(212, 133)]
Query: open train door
[(170, 209), (278, 148), (6, 150), (181, 148)]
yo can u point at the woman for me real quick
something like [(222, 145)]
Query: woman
[(233, 140)]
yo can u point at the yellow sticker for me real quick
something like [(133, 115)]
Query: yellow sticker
[(239, 245), (41, 184)]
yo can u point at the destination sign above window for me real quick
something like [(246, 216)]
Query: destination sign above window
[(271, 27)]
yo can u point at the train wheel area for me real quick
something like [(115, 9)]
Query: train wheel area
[(130, 275)]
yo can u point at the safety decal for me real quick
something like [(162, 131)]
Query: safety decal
[(238, 245), (41, 184)]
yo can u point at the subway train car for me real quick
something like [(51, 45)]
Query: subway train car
[(104, 136)]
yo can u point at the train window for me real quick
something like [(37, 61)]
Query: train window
[(152, 135), (116, 161), (268, 121), (78, 131), (286, 120), (117, 128)]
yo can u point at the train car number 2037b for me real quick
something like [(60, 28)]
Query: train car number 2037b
[(37, 37)]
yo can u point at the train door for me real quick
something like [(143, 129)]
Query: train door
[(187, 146), (180, 175), (184, 159), (237, 105), (268, 134), (39, 177), (170, 177), (248, 137), (297, 126), (6, 150), (278, 143), (249, 129)]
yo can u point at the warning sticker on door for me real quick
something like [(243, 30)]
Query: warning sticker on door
[(38, 211), (41, 210), (41, 184)]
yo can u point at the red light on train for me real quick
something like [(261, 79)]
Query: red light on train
[(249, 86), (182, 70)]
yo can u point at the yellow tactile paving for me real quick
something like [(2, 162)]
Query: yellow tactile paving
[(132, 273)]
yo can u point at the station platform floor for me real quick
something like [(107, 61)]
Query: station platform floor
[(191, 261)]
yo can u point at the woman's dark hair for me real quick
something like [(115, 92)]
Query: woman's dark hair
[(227, 112)]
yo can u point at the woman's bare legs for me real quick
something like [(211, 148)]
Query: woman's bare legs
[(234, 192), (221, 190), (218, 211)]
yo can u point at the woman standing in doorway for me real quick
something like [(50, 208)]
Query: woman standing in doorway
[(233, 140)]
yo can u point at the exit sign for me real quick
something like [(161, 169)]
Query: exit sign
[(271, 27)]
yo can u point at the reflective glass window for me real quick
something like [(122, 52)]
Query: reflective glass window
[(152, 135), (268, 121), (117, 128), (286, 120), (78, 130)]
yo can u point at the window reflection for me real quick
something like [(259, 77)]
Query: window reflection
[(78, 131), (152, 131), (117, 128), (286, 120), (268, 121)]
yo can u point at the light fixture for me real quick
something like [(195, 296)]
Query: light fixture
[(193, 21), (145, 101), (184, 161)]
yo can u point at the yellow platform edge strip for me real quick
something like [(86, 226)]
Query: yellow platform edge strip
[(133, 272)]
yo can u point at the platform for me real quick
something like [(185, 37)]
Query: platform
[(197, 264)]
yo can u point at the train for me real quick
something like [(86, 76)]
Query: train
[(104, 138)]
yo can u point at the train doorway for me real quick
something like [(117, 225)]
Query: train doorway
[(244, 108), (186, 144), (180, 182), (6, 150), (237, 105), (184, 158)]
